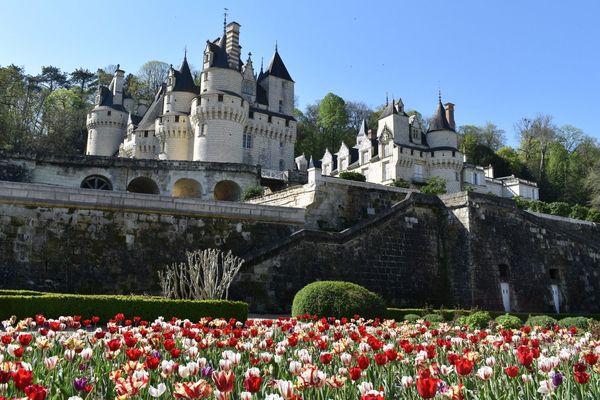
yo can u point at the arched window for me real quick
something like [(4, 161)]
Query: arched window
[(186, 187), (227, 191), (143, 184), (503, 271), (281, 165), (97, 182)]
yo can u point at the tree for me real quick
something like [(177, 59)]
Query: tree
[(492, 136), (333, 122), (536, 135), (435, 185), (151, 76), (357, 111), (82, 78), (64, 123), (52, 77)]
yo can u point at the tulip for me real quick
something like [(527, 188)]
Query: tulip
[(223, 380), (484, 373), (157, 391)]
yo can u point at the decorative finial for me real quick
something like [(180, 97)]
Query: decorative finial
[(261, 64), (118, 67), (185, 52), (276, 46), (387, 101), (225, 19), (439, 92)]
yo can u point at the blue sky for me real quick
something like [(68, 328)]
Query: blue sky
[(497, 61)]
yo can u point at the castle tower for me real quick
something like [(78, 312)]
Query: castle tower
[(249, 82), (174, 128), (220, 113), (279, 86), (107, 121), (396, 120), (441, 133)]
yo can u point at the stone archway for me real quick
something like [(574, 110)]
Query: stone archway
[(143, 184), (97, 182), (227, 191), (186, 187)]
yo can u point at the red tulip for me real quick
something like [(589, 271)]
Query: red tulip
[(224, 380), (22, 378), (363, 361), (252, 383), (325, 358), (114, 344), (152, 362), (355, 373), (426, 385), (525, 355), (380, 358), (133, 354), (591, 358), (25, 339), (464, 366), (511, 371), (36, 392)]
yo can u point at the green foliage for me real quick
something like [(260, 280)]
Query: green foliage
[(509, 321), (338, 299), (541, 320), (252, 192), (401, 183), (578, 212), (478, 319), (14, 173), (433, 318), (106, 306), (577, 322), (353, 176), (435, 185), (412, 317), (559, 208), (593, 215)]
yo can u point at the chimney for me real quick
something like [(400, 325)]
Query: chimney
[(117, 85), (232, 32), (450, 114)]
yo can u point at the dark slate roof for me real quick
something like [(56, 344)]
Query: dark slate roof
[(389, 110), (184, 82), (135, 120), (439, 121), (364, 129), (106, 99), (219, 53), (272, 113), (277, 68), (155, 110), (261, 95)]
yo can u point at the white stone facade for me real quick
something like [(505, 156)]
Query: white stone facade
[(401, 150), (233, 116)]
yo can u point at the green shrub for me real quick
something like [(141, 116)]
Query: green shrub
[(540, 206), (578, 212), (541, 320), (353, 176), (106, 306), (560, 208), (337, 299), (412, 317), (14, 173), (401, 183), (509, 321), (252, 192), (433, 318), (435, 185), (577, 322), (593, 215), (478, 319), (522, 203)]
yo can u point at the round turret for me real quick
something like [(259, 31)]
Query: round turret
[(106, 130), (174, 134), (218, 119)]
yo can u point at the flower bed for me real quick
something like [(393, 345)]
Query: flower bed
[(71, 358)]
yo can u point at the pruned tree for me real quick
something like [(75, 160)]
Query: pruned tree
[(152, 75), (206, 275)]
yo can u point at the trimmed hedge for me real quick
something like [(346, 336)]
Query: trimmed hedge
[(559, 208), (107, 306), (541, 320), (353, 176), (509, 321), (577, 322), (337, 299)]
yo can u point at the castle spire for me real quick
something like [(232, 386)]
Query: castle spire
[(225, 19)]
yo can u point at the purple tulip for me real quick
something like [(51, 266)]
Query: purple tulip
[(80, 383), (557, 379), (156, 354), (206, 371)]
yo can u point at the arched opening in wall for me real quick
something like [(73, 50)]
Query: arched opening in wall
[(143, 185), (503, 271), (97, 182), (553, 274), (227, 191), (186, 187)]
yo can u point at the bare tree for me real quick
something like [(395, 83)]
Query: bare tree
[(206, 275), (151, 75), (357, 111)]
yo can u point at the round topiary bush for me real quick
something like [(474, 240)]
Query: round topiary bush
[(478, 319), (509, 321), (543, 321), (433, 318), (577, 322), (337, 299), (412, 317)]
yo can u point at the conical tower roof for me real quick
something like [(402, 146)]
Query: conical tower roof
[(439, 121), (277, 67)]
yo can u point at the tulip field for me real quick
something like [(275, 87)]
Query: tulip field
[(307, 358)]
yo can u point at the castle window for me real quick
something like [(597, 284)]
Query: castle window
[(280, 145), (247, 141), (281, 105), (177, 118), (281, 165), (387, 149), (503, 271), (453, 154), (287, 122), (145, 133), (411, 152), (108, 113), (220, 98), (269, 119), (475, 178), (420, 154), (205, 74), (456, 175), (251, 114), (365, 157)]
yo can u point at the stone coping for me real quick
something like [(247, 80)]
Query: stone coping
[(563, 219), (42, 195)]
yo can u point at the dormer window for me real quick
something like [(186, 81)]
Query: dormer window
[(220, 98)]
